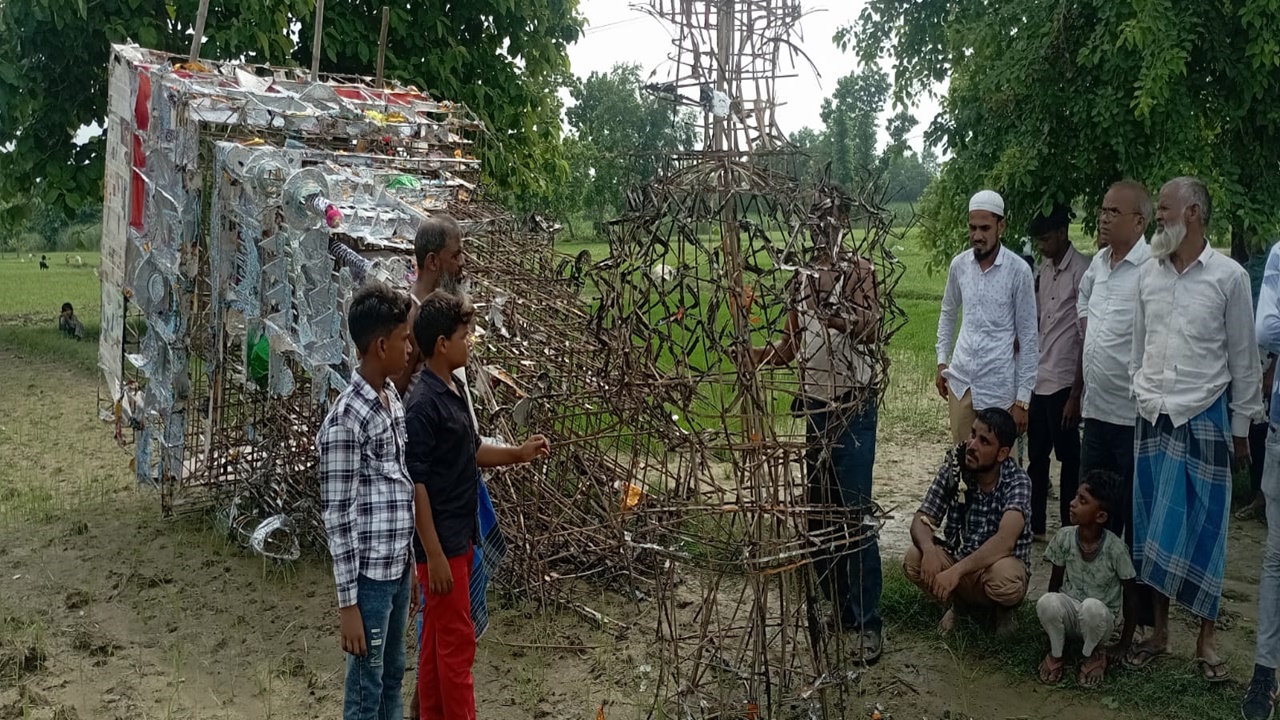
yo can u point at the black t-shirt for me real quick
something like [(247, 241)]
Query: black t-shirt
[(441, 456)]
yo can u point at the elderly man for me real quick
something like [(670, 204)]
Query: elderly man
[(1197, 380), (994, 363), (1106, 305), (832, 334), (1054, 423), (1260, 698), (984, 558)]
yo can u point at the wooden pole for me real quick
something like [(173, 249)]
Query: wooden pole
[(197, 38), (315, 42), (382, 43)]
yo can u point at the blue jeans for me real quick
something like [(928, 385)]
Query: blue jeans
[(841, 454), (374, 681)]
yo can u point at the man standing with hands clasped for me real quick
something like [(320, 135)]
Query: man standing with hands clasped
[(996, 291)]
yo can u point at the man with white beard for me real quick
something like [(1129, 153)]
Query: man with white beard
[(1197, 381)]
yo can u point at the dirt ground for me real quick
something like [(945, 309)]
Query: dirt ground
[(108, 611)]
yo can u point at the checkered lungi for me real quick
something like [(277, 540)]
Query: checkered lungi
[(1181, 503)]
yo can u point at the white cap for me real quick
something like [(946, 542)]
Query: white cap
[(988, 200)]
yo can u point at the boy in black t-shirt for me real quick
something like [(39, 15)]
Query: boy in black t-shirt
[(442, 456)]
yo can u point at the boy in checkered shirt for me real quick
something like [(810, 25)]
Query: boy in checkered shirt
[(367, 503)]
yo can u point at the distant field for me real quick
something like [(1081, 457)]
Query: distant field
[(30, 299)]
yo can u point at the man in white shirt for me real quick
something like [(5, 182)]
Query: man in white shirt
[(1197, 380), (1106, 304), (996, 290)]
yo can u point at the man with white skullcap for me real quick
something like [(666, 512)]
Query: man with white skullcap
[(994, 292)]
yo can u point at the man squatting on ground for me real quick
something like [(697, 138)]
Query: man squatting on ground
[(994, 291), (983, 560)]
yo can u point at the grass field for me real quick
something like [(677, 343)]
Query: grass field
[(30, 300)]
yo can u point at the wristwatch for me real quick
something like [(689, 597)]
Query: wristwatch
[(1021, 405)]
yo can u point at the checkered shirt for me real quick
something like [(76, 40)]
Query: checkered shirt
[(366, 496), (975, 519)]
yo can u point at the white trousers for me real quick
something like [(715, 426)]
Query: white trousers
[(1065, 617)]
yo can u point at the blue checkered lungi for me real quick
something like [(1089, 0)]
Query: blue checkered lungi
[(1181, 503)]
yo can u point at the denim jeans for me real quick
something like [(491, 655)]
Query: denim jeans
[(374, 681), (843, 449), (1268, 652)]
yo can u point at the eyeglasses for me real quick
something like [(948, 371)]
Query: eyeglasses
[(1112, 214)]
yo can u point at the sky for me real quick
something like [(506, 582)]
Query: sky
[(617, 33)]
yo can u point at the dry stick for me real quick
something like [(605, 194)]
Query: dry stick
[(545, 646), (316, 38), (382, 47), (197, 38)]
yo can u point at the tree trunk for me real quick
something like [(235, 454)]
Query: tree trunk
[(1239, 243)]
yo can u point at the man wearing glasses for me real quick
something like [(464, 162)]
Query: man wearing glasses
[(1105, 304)]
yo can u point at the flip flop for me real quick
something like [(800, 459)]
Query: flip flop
[(1214, 672), (1051, 675), (1249, 512), (1141, 656), (1091, 679)]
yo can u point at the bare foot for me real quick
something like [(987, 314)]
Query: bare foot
[(948, 623), (1093, 669), (1051, 670)]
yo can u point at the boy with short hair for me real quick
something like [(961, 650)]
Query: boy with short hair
[(1092, 574), (366, 500), (444, 455)]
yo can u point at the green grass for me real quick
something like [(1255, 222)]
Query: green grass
[(32, 299), (1167, 690)]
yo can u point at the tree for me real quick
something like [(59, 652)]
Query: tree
[(624, 134), (851, 116), (1050, 102), (503, 59)]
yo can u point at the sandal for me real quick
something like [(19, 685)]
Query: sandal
[(1214, 672), (1050, 675), (1142, 655), (870, 645), (1091, 676)]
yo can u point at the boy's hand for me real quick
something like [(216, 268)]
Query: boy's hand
[(534, 448), (439, 577), (415, 598), (352, 630)]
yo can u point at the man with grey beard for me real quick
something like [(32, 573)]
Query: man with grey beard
[(1197, 382)]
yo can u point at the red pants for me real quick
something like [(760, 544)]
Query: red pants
[(446, 690)]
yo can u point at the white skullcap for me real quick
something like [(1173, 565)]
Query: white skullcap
[(988, 200)]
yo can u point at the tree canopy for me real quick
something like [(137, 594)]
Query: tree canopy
[(620, 135), (504, 59), (849, 139), (1051, 102)]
